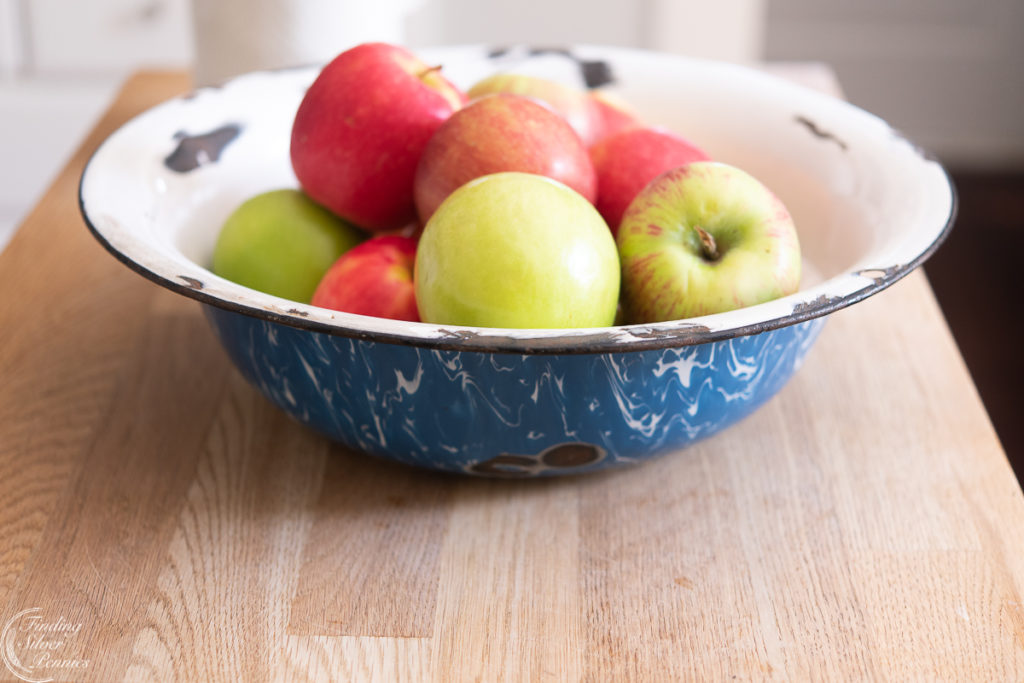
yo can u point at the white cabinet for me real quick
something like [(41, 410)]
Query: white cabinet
[(77, 36), (60, 63), (41, 122)]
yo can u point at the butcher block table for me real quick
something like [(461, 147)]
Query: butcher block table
[(165, 522)]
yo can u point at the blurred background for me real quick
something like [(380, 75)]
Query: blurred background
[(949, 73)]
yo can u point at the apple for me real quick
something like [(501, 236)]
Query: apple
[(704, 238), (614, 113), (374, 278), (629, 159), (281, 243), (517, 250), (574, 105), (361, 128), (499, 133)]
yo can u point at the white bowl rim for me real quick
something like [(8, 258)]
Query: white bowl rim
[(823, 299)]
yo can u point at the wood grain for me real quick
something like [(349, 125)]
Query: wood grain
[(63, 337), (232, 560), (355, 658), (509, 605), (371, 564), (111, 523), (864, 524)]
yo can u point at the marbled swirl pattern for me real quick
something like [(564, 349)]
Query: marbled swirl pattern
[(455, 410)]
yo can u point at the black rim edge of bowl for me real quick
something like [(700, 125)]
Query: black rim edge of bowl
[(601, 342)]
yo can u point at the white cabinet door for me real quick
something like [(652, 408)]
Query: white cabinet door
[(75, 36)]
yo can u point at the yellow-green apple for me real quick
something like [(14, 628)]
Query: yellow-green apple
[(361, 127), (517, 250), (499, 133), (281, 243), (374, 278), (614, 113), (574, 105), (629, 159), (704, 238)]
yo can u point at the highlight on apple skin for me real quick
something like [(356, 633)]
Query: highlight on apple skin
[(500, 133), (361, 128), (374, 278), (705, 238), (517, 250)]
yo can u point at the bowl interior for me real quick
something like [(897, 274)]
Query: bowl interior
[(868, 204)]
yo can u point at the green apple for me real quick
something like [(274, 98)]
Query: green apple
[(281, 243), (705, 238), (517, 250)]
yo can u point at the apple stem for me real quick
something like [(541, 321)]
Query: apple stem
[(429, 70), (707, 243)]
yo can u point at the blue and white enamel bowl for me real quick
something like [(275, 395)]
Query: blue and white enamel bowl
[(869, 207)]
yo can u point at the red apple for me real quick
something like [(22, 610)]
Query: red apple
[(626, 161), (574, 105), (360, 129), (614, 114), (501, 133), (374, 278)]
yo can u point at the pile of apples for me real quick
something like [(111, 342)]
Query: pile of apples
[(522, 203)]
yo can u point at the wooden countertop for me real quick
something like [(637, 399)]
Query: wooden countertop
[(864, 523)]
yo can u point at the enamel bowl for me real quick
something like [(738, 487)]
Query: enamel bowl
[(869, 207)]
